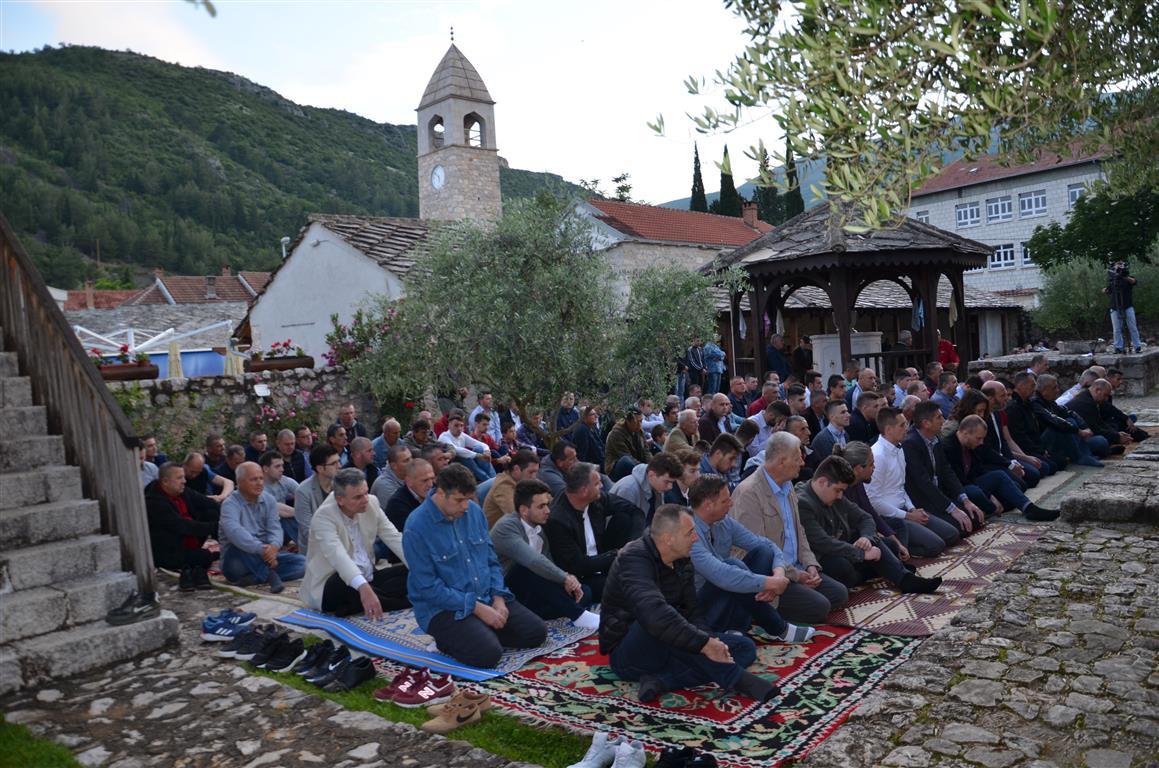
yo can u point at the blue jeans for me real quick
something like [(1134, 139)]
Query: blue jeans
[(290, 530), (1069, 447), (1001, 486), (623, 467), (480, 468), (713, 383), (641, 654), (681, 386), (735, 610), (236, 565), (1117, 327)]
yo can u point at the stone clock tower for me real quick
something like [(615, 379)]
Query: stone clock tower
[(458, 157)]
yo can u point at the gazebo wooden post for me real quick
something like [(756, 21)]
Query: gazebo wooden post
[(961, 330), (757, 296), (839, 300), (926, 281), (733, 335)]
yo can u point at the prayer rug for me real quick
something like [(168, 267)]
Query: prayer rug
[(399, 637), (965, 568), (821, 683)]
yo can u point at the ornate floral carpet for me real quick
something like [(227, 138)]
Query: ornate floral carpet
[(821, 683), (965, 568)]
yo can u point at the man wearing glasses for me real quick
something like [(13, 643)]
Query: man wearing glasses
[(310, 494)]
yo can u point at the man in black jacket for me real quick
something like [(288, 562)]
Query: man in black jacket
[(1088, 403), (1113, 416), (650, 627), (929, 479), (863, 420), (180, 520), (960, 453), (1024, 427), (1064, 434)]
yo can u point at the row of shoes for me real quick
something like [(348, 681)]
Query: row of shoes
[(618, 753), (448, 707)]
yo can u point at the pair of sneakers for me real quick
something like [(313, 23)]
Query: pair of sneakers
[(417, 688), (225, 625), (465, 708), (618, 753)]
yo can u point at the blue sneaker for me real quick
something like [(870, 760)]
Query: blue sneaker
[(227, 617)]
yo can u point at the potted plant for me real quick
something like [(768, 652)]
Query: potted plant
[(282, 356), (123, 366)]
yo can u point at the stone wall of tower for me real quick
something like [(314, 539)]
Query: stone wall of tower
[(471, 190)]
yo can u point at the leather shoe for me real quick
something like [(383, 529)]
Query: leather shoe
[(353, 674)]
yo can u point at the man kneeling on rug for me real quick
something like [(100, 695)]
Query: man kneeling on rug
[(650, 627), (455, 582), (340, 575)]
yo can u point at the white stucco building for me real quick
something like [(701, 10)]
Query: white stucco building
[(1001, 207)]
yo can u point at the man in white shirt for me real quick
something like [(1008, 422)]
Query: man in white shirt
[(340, 575), (469, 452), (928, 535)]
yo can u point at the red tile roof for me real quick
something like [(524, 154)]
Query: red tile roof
[(191, 289), (101, 299), (965, 173), (651, 222)]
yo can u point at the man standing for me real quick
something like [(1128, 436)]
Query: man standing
[(775, 359), (180, 520), (340, 575), (500, 499), (696, 365), (714, 367), (626, 446), (312, 493), (648, 623), (251, 535), (455, 582), (1120, 287)]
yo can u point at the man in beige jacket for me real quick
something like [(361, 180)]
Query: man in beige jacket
[(340, 575), (685, 435), (766, 504)]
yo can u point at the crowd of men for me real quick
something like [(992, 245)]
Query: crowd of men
[(692, 526)]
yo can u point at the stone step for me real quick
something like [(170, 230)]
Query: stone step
[(28, 451), (32, 612), (55, 521), (31, 662), (44, 564), (9, 364), (15, 391), (55, 482), (23, 420)]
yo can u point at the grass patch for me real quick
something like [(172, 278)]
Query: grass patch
[(499, 734), (20, 749)]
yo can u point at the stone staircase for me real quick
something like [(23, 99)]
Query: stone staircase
[(59, 575)]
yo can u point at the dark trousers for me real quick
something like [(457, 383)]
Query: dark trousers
[(810, 605), (622, 527), (622, 467), (184, 558), (389, 584), (999, 484), (641, 654), (735, 610), (471, 642), (595, 583), (851, 574), (544, 598), (981, 499), (943, 526)]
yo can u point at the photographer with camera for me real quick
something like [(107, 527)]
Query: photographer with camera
[(1120, 286)]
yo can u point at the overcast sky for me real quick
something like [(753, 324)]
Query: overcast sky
[(574, 82)]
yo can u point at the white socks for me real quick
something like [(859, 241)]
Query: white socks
[(587, 620)]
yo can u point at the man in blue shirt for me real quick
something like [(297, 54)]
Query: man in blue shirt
[(251, 535), (455, 581)]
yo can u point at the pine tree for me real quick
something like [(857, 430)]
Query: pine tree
[(770, 204), (794, 202), (698, 201), (730, 202)]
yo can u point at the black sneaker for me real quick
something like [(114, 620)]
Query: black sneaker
[(317, 653), (286, 656), (185, 582), (136, 608), (246, 644), (330, 668), (201, 579), (273, 642), (353, 674)]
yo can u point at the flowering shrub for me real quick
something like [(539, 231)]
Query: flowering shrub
[(349, 342), (100, 358), (279, 349), (303, 408)]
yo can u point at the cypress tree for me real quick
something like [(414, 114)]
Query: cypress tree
[(794, 202), (730, 202), (770, 204), (698, 202)]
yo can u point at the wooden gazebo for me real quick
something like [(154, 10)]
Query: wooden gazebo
[(816, 249)]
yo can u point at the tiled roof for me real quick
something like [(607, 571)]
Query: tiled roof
[(391, 242), (256, 280), (455, 76), (820, 231), (651, 222), (965, 173), (881, 295), (101, 299), (190, 289)]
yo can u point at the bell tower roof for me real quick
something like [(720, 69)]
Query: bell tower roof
[(455, 77)]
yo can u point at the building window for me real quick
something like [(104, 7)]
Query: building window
[(1026, 260), (999, 209), (1032, 203), (1073, 193), (968, 214), (923, 217), (1003, 257)]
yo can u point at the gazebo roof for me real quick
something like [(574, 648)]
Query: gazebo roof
[(819, 232)]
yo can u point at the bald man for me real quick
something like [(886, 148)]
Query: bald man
[(251, 535), (1087, 404), (715, 421)]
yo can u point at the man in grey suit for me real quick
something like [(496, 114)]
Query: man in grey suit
[(525, 557)]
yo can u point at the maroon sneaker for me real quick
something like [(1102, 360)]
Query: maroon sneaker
[(434, 689), (403, 681)]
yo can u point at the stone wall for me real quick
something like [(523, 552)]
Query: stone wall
[(181, 412), (1140, 372)]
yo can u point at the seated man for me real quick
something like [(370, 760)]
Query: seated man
[(946, 394), (626, 446), (994, 483), (587, 527), (340, 575), (390, 437), (648, 625), (685, 434), (553, 468), (1064, 434), (180, 520), (721, 459), (469, 452), (525, 555), (863, 420), (1111, 414), (482, 432), (362, 458), (420, 478), (201, 478), (1027, 470), (295, 462), (715, 420), (929, 480), (845, 538), (766, 504), (455, 582), (645, 486), (234, 456), (312, 493), (734, 594), (419, 436), (282, 489), (1025, 429), (1088, 405), (398, 457), (500, 499), (214, 452), (251, 535), (337, 439), (837, 419), (259, 443)]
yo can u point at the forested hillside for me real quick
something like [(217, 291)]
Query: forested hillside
[(146, 163)]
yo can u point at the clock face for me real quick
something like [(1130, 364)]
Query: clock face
[(438, 177)]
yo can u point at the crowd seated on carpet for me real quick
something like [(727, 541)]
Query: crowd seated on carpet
[(683, 532)]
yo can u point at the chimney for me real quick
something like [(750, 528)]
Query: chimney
[(211, 287), (158, 272), (225, 271), (748, 212), (90, 302)]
